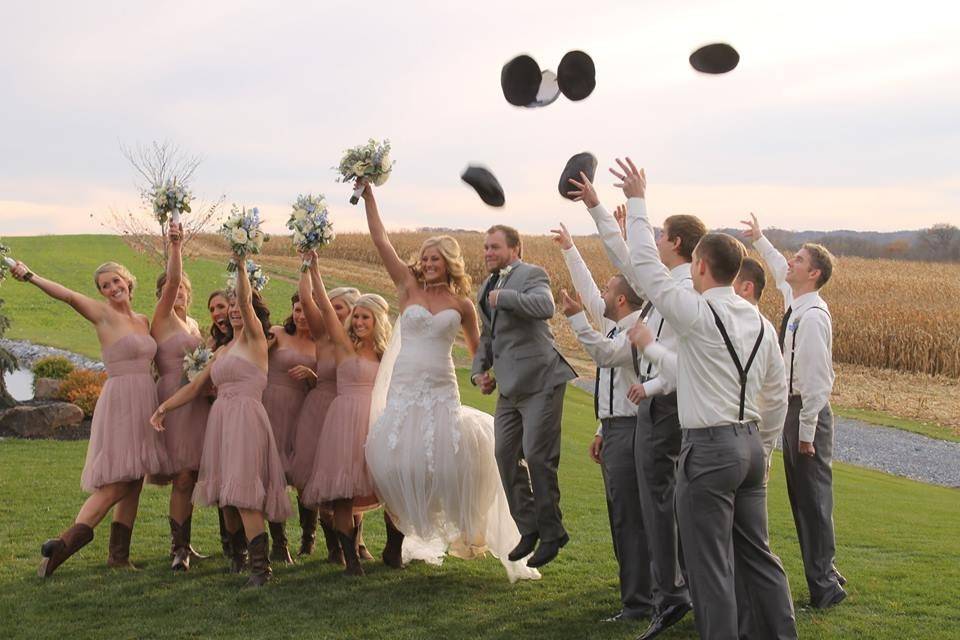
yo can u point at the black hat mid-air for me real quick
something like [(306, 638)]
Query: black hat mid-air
[(485, 184), (584, 162), (520, 80), (715, 58), (576, 75)]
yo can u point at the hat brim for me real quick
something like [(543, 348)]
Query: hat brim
[(715, 59), (485, 184)]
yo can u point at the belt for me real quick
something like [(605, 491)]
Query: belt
[(720, 431)]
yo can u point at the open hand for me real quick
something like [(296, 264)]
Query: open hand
[(633, 181), (584, 191), (753, 232), (568, 305), (562, 237), (620, 215), (595, 448)]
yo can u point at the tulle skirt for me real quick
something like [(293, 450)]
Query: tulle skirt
[(184, 429), (307, 435), (283, 405)]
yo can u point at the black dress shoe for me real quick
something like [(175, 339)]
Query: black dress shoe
[(622, 617), (665, 619), (547, 551), (840, 579), (832, 601), (525, 547)]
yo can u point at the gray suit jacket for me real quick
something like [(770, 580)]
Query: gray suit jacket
[(516, 341)]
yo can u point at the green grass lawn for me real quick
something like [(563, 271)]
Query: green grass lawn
[(897, 544), (71, 261)]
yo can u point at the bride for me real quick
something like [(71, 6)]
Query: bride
[(432, 460)]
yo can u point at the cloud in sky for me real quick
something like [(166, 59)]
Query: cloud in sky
[(839, 115)]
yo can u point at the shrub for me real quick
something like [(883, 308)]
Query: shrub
[(82, 388), (56, 367)]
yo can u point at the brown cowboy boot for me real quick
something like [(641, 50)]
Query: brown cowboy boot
[(260, 571), (279, 552), (238, 551), (181, 546), (393, 550), (188, 531), (308, 528), (349, 545), (362, 552), (57, 550), (334, 552), (119, 547), (225, 537)]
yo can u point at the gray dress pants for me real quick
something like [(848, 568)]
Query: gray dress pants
[(618, 459), (810, 487), (738, 585)]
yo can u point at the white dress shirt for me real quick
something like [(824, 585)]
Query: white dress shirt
[(708, 389), (620, 255), (807, 345)]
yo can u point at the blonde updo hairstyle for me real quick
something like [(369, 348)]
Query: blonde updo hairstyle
[(382, 328), (350, 295), (120, 270), (458, 281), (184, 280)]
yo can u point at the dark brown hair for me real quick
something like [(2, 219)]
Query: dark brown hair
[(511, 235), (751, 270), (723, 254), (689, 229), (219, 337), (289, 325), (624, 289)]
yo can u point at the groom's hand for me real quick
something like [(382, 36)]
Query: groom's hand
[(583, 191), (492, 298), (633, 181), (485, 382)]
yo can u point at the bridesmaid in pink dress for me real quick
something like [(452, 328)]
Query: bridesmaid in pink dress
[(218, 304), (176, 335), (340, 472), (291, 364), (123, 448), (314, 412), (240, 466)]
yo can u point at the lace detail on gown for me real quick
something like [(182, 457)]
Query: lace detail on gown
[(432, 460)]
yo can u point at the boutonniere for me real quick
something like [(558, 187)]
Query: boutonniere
[(506, 271), (793, 326)]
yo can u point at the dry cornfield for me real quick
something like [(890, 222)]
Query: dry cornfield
[(888, 314)]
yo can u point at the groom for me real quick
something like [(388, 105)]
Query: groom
[(516, 342)]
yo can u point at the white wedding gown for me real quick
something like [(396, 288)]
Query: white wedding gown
[(432, 459)]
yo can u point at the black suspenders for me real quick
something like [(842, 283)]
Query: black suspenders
[(741, 370), (596, 391), (793, 343)]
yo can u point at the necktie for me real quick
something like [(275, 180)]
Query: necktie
[(783, 326)]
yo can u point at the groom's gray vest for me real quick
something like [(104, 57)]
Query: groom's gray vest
[(516, 341)]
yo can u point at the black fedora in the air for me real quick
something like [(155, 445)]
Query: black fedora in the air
[(520, 80), (585, 162), (576, 75), (485, 184), (715, 58)]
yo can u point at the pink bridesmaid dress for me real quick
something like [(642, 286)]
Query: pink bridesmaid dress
[(284, 397), (185, 426), (310, 422)]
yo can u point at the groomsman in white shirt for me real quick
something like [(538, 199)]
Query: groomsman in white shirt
[(658, 423), (806, 341), (613, 310), (732, 401)]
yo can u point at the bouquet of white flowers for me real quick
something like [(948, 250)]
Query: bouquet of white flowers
[(170, 199), (6, 263), (195, 361), (371, 161), (242, 231), (310, 224), (258, 279)]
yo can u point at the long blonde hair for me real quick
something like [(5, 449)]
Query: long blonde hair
[(120, 270), (458, 281), (382, 328)]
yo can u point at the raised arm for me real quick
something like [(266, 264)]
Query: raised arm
[(611, 232), (311, 310), (89, 308), (770, 255), (582, 279), (252, 328), (534, 301), (605, 352), (398, 270), (171, 286), (680, 305), (330, 320)]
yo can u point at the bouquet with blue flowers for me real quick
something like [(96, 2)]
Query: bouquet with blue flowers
[(195, 361), (371, 161), (310, 223), (258, 279), (242, 231), (170, 199)]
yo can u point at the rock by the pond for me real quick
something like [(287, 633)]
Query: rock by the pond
[(46, 419), (46, 388)]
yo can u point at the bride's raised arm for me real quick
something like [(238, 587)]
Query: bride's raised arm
[(399, 272)]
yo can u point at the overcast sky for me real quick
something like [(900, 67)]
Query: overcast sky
[(840, 115)]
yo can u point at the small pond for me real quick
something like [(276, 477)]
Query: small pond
[(20, 384)]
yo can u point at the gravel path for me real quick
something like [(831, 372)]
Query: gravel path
[(893, 451), (27, 353)]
